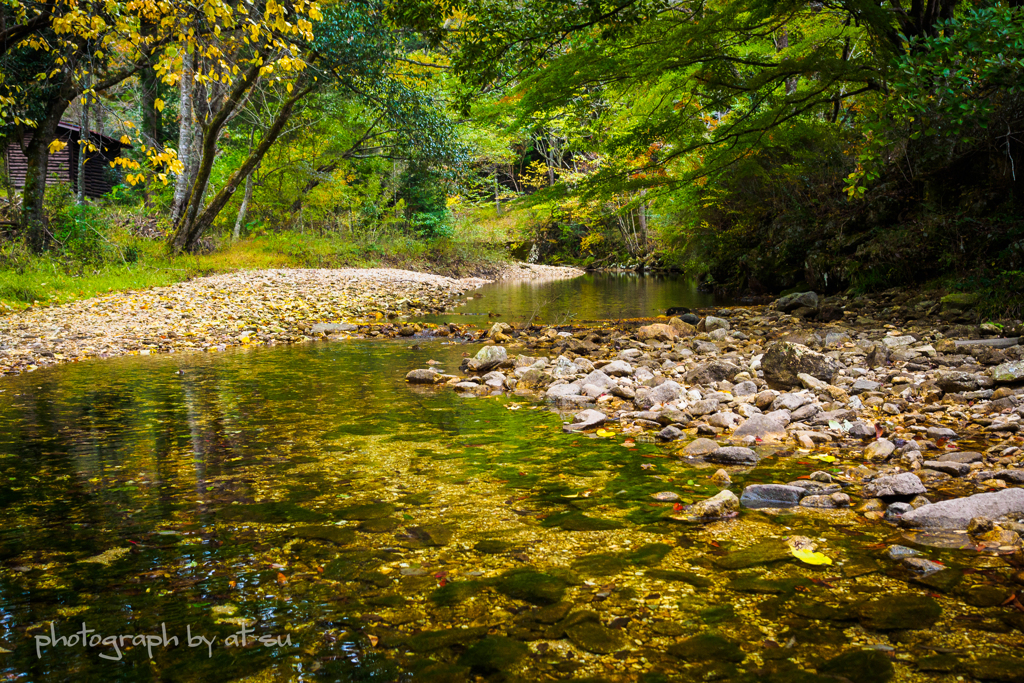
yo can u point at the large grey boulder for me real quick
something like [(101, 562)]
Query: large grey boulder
[(784, 361), (665, 392), (771, 496), (586, 419), (424, 376), (905, 485), (763, 427), (958, 512), (711, 323), (1007, 373), (956, 381), (617, 368), (715, 371), (564, 390), (488, 358), (598, 379), (791, 302)]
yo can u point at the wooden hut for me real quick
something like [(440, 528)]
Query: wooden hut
[(63, 166)]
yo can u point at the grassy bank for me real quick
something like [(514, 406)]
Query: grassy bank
[(68, 274)]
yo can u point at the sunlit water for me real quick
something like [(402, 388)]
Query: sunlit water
[(594, 296), (309, 496)]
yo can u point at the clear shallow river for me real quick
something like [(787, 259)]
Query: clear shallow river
[(308, 496), (594, 296)]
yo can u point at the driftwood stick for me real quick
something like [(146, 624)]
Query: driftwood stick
[(1001, 343)]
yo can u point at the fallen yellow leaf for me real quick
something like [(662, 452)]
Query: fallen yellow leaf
[(811, 557)]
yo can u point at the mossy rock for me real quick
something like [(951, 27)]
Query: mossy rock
[(649, 555), (332, 534), (707, 647), (415, 499), (765, 552), (899, 612), (997, 668), (441, 672), (381, 525), (756, 584), (960, 301), (531, 586), (350, 563), (367, 511), (455, 592), (600, 564), (492, 547), (551, 613), (812, 609), (595, 637), (694, 580), (860, 666), (580, 522), (939, 663), (718, 614), (428, 641), (426, 536), (494, 653), (269, 513), (986, 596), (375, 579)]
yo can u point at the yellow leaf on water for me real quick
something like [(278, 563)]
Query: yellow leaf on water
[(605, 432), (811, 557), (824, 458)]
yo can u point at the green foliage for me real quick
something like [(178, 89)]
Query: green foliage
[(434, 224), (951, 93)]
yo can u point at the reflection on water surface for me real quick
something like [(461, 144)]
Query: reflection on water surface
[(370, 531)]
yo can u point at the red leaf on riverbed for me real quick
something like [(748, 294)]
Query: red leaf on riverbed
[(879, 432)]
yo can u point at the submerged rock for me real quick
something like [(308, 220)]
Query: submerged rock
[(733, 455), (595, 637), (860, 666), (707, 647), (765, 552), (493, 654), (718, 505), (771, 495), (899, 612), (531, 586)]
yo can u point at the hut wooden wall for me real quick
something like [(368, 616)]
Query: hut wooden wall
[(63, 165)]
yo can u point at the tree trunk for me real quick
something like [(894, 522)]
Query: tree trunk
[(244, 208), (83, 145), (151, 119), (186, 128), (194, 224), (38, 156)]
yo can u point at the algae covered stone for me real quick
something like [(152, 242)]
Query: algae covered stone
[(860, 666), (494, 653), (900, 612), (707, 647), (531, 586)]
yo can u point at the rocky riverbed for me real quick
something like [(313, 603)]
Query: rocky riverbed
[(906, 413), (915, 426), (236, 309)]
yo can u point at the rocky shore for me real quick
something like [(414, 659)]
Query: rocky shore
[(235, 309), (914, 424)]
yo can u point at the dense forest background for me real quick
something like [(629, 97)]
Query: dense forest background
[(758, 145)]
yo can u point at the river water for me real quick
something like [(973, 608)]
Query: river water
[(168, 508)]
